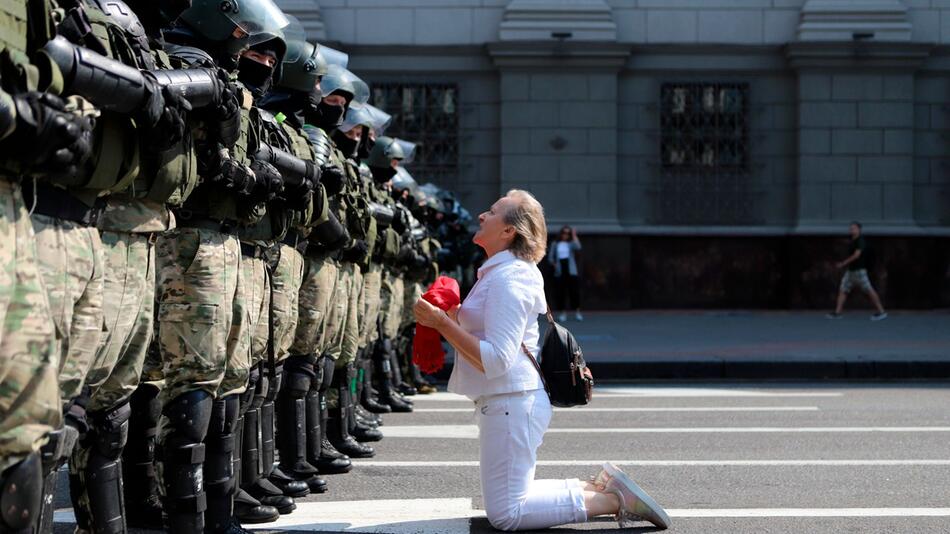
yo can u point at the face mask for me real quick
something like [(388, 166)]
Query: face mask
[(366, 146), (383, 174), (323, 115), (257, 76), (346, 145)]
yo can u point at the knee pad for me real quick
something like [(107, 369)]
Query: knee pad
[(247, 397), (111, 431), (146, 407), (301, 373), (189, 415), (21, 494)]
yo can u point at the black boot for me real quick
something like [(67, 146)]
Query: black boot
[(301, 372), (250, 468), (330, 460), (367, 397), (338, 422), (368, 418), (143, 507), (398, 383), (385, 374), (183, 455), (220, 479), (273, 473)]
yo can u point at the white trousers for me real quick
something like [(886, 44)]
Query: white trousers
[(510, 430)]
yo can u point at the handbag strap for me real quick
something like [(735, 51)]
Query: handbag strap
[(536, 366)]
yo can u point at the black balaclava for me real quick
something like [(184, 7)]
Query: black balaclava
[(349, 147), (325, 116), (382, 174), (366, 145), (255, 75)]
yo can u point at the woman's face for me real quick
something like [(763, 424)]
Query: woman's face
[(493, 234), (565, 234)]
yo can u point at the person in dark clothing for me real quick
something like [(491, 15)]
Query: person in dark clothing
[(857, 274), (564, 258)]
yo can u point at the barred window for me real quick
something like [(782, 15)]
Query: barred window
[(705, 157), (704, 126), (426, 114)]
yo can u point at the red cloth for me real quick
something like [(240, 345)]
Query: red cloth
[(427, 350)]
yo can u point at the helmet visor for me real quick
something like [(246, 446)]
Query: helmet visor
[(381, 119), (339, 79), (356, 117), (408, 150), (334, 57), (294, 35), (260, 20)]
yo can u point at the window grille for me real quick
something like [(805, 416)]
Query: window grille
[(426, 114), (704, 154)]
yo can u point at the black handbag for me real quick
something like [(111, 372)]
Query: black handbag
[(562, 367)]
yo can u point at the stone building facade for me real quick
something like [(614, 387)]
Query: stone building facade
[(710, 152)]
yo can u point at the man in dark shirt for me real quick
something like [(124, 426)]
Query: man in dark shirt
[(857, 274)]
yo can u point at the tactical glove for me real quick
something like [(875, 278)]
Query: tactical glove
[(356, 252), (47, 138), (268, 183), (332, 179), (231, 174), (165, 127)]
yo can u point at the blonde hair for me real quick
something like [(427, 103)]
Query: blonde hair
[(531, 232)]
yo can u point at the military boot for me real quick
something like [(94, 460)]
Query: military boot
[(252, 480), (368, 395), (338, 427), (273, 473), (301, 374), (327, 459)]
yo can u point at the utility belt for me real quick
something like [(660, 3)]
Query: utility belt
[(187, 219), (58, 203)]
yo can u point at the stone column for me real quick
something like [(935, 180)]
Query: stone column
[(558, 62), (855, 65)]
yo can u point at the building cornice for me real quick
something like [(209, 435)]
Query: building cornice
[(906, 56), (567, 54)]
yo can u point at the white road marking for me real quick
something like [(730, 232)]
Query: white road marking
[(678, 463), (684, 409), (661, 392), (409, 516), (810, 512), (471, 431)]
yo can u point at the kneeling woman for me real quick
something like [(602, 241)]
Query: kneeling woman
[(488, 330)]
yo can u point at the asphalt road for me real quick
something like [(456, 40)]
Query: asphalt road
[(721, 458)]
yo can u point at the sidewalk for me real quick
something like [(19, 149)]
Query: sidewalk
[(766, 345), (798, 345)]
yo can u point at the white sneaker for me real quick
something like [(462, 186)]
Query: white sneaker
[(879, 316), (578, 316), (561, 317), (634, 502)]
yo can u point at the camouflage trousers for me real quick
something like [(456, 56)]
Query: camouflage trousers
[(392, 297), (71, 263), (129, 290), (370, 311), (316, 303), (349, 288), (29, 390), (285, 281), (202, 320), (257, 301)]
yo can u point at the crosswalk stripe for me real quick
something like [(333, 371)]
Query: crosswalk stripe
[(809, 512), (471, 431), (676, 463), (684, 409), (618, 392)]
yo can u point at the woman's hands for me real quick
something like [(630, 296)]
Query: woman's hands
[(429, 315)]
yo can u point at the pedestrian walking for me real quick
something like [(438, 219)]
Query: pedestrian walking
[(563, 255), (489, 331), (857, 275)]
